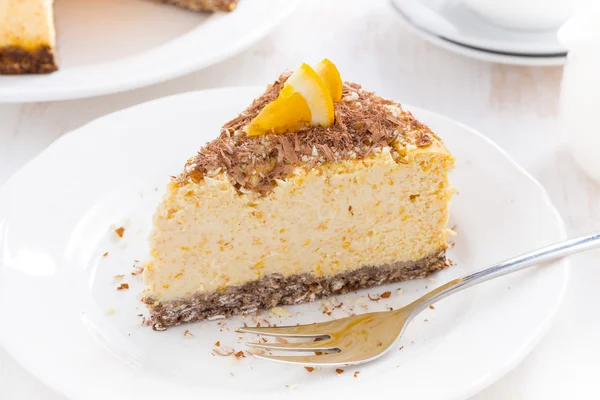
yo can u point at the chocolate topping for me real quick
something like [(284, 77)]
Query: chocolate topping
[(363, 124)]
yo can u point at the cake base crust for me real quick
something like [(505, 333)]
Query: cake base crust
[(16, 60), (204, 5), (275, 289)]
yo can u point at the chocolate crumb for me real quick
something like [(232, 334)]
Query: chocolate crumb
[(309, 369), (350, 210), (120, 231), (123, 286), (423, 139), (158, 327), (339, 371), (373, 298), (401, 347)]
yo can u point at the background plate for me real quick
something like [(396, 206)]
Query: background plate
[(474, 52), (454, 21), (66, 323), (126, 44)]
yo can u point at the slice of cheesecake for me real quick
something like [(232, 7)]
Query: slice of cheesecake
[(295, 201), (27, 37)]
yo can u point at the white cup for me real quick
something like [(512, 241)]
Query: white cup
[(524, 14)]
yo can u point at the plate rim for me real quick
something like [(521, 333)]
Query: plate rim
[(13, 95), (500, 370), (475, 52), (485, 44)]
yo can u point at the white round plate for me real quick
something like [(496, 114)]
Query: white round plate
[(65, 321), (126, 44), (454, 21), (474, 52)]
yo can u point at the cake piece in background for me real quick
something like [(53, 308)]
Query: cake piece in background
[(27, 33), (27, 37), (205, 5)]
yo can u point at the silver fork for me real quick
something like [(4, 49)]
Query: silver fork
[(363, 338)]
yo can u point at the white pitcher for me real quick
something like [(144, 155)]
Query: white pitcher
[(580, 92)]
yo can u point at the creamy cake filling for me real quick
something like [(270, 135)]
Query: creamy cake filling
[(322, 221)]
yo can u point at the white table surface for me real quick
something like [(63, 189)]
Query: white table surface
[(515, 106)]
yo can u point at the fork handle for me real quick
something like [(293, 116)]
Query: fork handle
[(545, 254)]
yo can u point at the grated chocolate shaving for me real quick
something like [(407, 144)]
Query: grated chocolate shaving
[(363, 123)]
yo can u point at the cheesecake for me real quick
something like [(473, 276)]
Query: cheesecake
[(318, 188), (28, 39)]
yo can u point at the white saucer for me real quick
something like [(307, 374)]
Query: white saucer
[(109, 46), (453, 26), (66, 323)]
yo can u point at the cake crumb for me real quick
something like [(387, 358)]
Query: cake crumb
[(399, 291), (356, 374), (159, 327), (281, 340), (119, 277), (309, 369), (385, 295), (425, 320), (292, 387), (218, 343), (401, 347), (123, 286), (187, 333), (373, 298), (350, 210), (110, 311), (240, 354), (120, 231), (431, 307), (137, 270), (224, 351), (105, 254), (339, 371), (280, 312)]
